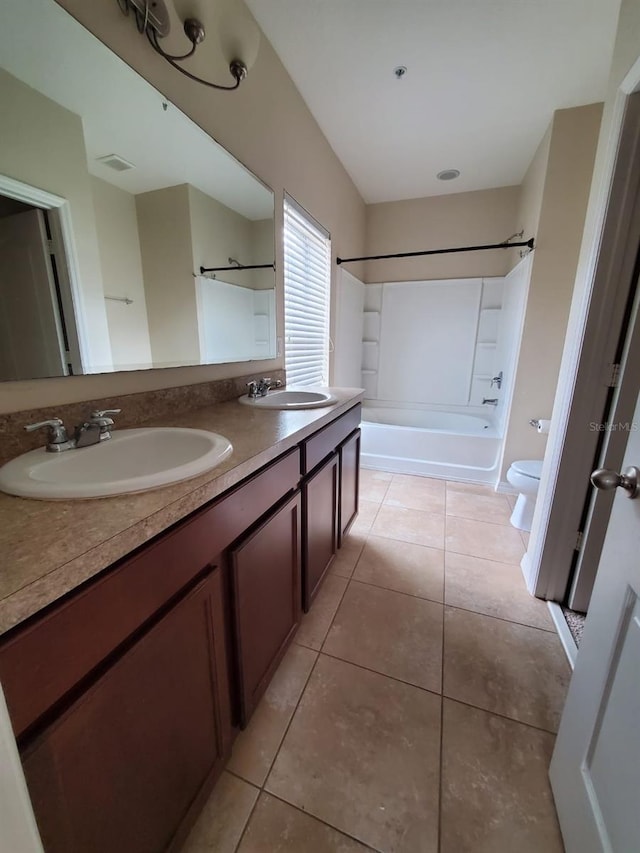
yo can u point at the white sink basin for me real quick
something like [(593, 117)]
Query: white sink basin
[(290, 398), (132, 460)]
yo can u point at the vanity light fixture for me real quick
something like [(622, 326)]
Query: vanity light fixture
[(237, 32)]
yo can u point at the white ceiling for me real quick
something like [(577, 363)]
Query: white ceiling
[(483, 80)]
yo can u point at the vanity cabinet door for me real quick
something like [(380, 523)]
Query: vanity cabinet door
[(125, 767), (320, 529), (265, 572), (349, 483)]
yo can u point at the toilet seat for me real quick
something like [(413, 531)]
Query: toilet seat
[(528, 468)]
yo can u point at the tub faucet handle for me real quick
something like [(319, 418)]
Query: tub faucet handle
[(497, 380)]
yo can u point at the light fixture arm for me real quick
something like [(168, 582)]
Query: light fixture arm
[(194, 31)]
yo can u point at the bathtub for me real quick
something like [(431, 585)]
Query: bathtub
[(450, 445)]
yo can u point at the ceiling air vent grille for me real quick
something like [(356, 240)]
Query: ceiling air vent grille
[(115, 162)]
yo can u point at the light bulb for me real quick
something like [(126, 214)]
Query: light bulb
[(238, 33)]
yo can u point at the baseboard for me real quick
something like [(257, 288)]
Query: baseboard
[(568, 643), (505, 488)]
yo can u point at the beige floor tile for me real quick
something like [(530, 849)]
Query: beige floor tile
[(256, 747), (362, 754), (315, 624), (495, 791), (345, 560), (495, 589), (416, 493), (469, 488), (493, 508), (370, 474), (276, 827), (392, 633), (374, 485), (402, 566), (433, 484), (512, 500), (410, 525), (510, 669), (367, 511), (482, 539), (224, 817)]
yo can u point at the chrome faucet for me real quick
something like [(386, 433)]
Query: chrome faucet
[(486, 401), (95, 429), (92, 431), (260, 387), (497, 380)]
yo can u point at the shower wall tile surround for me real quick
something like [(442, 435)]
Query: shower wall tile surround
[(136, 409), (454, 323)]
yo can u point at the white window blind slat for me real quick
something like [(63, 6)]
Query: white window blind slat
[(307, 276)]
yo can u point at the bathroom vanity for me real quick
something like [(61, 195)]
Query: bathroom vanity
[(126, 691)]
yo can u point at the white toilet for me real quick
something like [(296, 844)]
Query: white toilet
[(524, 475)]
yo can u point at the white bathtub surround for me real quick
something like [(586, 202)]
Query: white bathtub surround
[(454, 445), (432, 342)]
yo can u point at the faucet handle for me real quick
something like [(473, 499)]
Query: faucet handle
[(53, 423), (101, 413), (101, 418), (57, 431)]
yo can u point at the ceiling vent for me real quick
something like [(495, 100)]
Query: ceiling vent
[(115, 162)]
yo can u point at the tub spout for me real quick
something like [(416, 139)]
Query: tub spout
[(486, 401)]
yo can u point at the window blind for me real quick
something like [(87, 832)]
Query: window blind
[(307, 278)]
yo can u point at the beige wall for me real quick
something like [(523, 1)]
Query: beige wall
[(462, 219), (267, 126), (219, 233), (263, 243), (557, 196), (121, 265), (42, 144), (164, 223)]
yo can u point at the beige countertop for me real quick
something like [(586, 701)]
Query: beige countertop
[(48, 548)]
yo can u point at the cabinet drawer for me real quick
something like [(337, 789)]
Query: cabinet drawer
[(243, 506), (325, 441)]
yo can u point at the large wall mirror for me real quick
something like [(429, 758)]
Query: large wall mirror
[(111, 201)]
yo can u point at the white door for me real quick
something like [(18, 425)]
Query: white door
[(31, 342), (595, 770)]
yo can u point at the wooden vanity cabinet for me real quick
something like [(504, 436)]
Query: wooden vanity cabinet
[(123, 767), (320, 530), (265, 580), (349, 454), (123, 694), (330, 459)]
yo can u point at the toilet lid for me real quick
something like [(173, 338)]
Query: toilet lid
[(529, 467)]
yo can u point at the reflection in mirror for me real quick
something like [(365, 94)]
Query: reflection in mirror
[(111, 200)]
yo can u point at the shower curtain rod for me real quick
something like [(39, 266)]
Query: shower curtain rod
[(238, 267), (528, 243)]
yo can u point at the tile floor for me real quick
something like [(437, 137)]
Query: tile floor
[(416, 710)]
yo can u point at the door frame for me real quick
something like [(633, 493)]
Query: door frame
[(593, 333), (66, 262)]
